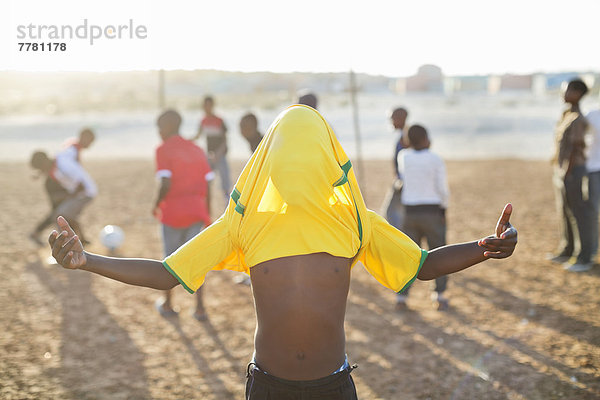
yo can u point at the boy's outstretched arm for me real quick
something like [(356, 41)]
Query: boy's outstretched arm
[(68, 252), (456, 257)]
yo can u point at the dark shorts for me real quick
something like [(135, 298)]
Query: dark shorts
[(263, 386)]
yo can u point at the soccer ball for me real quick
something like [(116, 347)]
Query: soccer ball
[(112, 237)]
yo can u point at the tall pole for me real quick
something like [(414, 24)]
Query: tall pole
[(161, 89), (357, 139)]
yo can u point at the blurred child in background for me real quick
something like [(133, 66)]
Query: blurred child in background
[(68, 185), (215, 131), (249, 130), (425, 199), (183, 201)]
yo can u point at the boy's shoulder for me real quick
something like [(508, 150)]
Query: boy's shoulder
[(181, 149), (418, 153), (174, 144), (436, 156), (425, 154)]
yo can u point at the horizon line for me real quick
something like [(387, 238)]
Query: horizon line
[(537, 72)]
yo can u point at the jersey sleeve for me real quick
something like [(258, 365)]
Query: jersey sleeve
[(210, 249), (390, 256), (163, 164), (207, 172)]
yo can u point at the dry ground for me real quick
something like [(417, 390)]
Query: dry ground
[(518, 329)]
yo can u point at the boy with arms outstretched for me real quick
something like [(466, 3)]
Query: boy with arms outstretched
[(297, 223)]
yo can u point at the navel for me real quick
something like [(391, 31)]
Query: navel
[(300, 355)]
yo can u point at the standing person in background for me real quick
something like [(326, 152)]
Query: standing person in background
[(215, 131), (68, 184), (249, 130), (183, 201), (570, 174), (392, 205), (425, 199), (593, 169)]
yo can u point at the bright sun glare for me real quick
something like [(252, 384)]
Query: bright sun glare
[(383, 37)]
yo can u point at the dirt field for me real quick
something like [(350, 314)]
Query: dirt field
[(518, 329)]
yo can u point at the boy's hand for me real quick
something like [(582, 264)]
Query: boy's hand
[(502, 243), (67, 249)]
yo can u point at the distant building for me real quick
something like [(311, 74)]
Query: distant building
[(429, 78), (555, 81), (510, 82), (471, 84), (494, 84), (539, 85)]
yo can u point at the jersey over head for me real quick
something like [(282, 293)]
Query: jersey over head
[(298, 195)]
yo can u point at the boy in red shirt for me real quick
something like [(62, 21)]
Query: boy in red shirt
[(183, 202)]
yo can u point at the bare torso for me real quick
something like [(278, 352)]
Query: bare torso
[(300, 307)]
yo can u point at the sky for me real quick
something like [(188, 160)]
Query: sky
[(463, 37)]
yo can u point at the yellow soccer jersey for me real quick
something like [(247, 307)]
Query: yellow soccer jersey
[(298, 195)]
